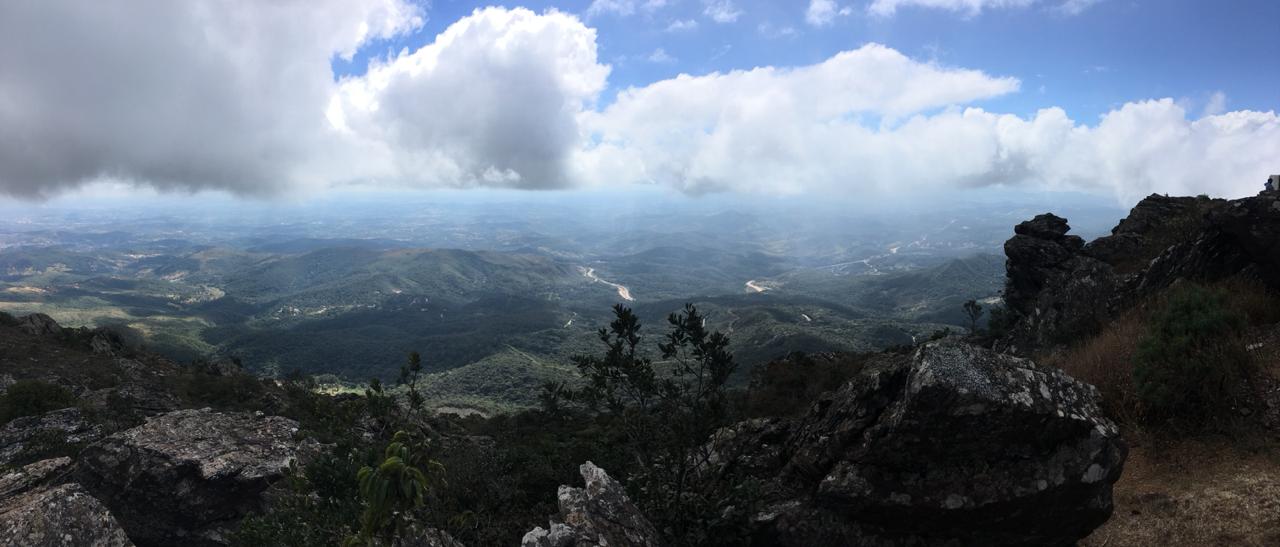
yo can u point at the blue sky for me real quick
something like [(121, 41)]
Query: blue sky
[(1089, 63)]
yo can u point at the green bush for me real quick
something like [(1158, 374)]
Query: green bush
[(32, 397), (1191, 360)]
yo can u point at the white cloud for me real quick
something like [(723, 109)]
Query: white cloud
[(181, 95), (494, 101), (681, 25), (886, 8), (1217, 104), (509, 98), (767, 30), (660, 56), (1076, 7), (823, 12), (873, 121), (618, 7), (721, 11)]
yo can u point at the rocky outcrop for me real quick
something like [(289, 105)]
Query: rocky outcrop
[(598, 515), (39, 324), (58, 516), (1052, 285), (954, 445), (1061, 290), (189, 476), (28, 435)]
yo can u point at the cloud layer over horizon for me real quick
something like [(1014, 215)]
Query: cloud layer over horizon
[(194, 96)]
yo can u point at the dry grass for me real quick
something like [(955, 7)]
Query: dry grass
[(1191, 487), (1199, 491), (1106, 361)]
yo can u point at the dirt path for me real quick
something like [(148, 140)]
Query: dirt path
[(623, 292)]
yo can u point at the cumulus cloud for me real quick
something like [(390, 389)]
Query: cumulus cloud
[(822, 13), (192, 98), (493, 101), (816, 129), (179, 95), (886, 8)]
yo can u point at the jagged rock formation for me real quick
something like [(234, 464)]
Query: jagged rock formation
[(58, 516), (598, 515), (1062, 290), (189, 476), (956, 445)]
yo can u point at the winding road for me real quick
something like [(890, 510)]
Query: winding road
[(757, 288), (623, 292)]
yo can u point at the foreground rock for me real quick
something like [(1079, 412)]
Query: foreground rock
[(598, 515), (956, 445), (58, 516), (189, 476)]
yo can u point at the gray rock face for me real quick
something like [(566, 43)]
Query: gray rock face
[(1059, 292), (24, 435), (1062, 291), (30, 476), (189, 476), (39, 324), (598, 515), (58, 516), (957, 445)]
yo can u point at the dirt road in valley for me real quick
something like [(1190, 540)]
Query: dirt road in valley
[(623, 292)]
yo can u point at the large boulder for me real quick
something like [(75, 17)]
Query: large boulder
[(58, 516), (955, 445), (598, 515), (189, 476)]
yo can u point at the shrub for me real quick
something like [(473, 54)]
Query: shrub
[(1191, 360), (33, 397)]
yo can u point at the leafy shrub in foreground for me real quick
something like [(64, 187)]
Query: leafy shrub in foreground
[(1191, 361)]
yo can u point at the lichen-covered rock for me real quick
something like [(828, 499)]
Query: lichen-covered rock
[(59, 516), (28, 435), (956, 445), (595, 516), (32, 475), (189, 476)]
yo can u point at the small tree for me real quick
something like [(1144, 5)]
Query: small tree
[(393, 491), (973, 310), (409, 373)]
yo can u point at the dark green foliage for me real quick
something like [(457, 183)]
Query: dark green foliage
[(315, 505), (8, 320), (31, 398), (665, 418), (393, 491), (409, 373), (1191, 361), (1000, 321), (973, 312), (238, 391), (789, 386)]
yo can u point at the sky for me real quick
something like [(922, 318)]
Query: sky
[(272, 100)]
